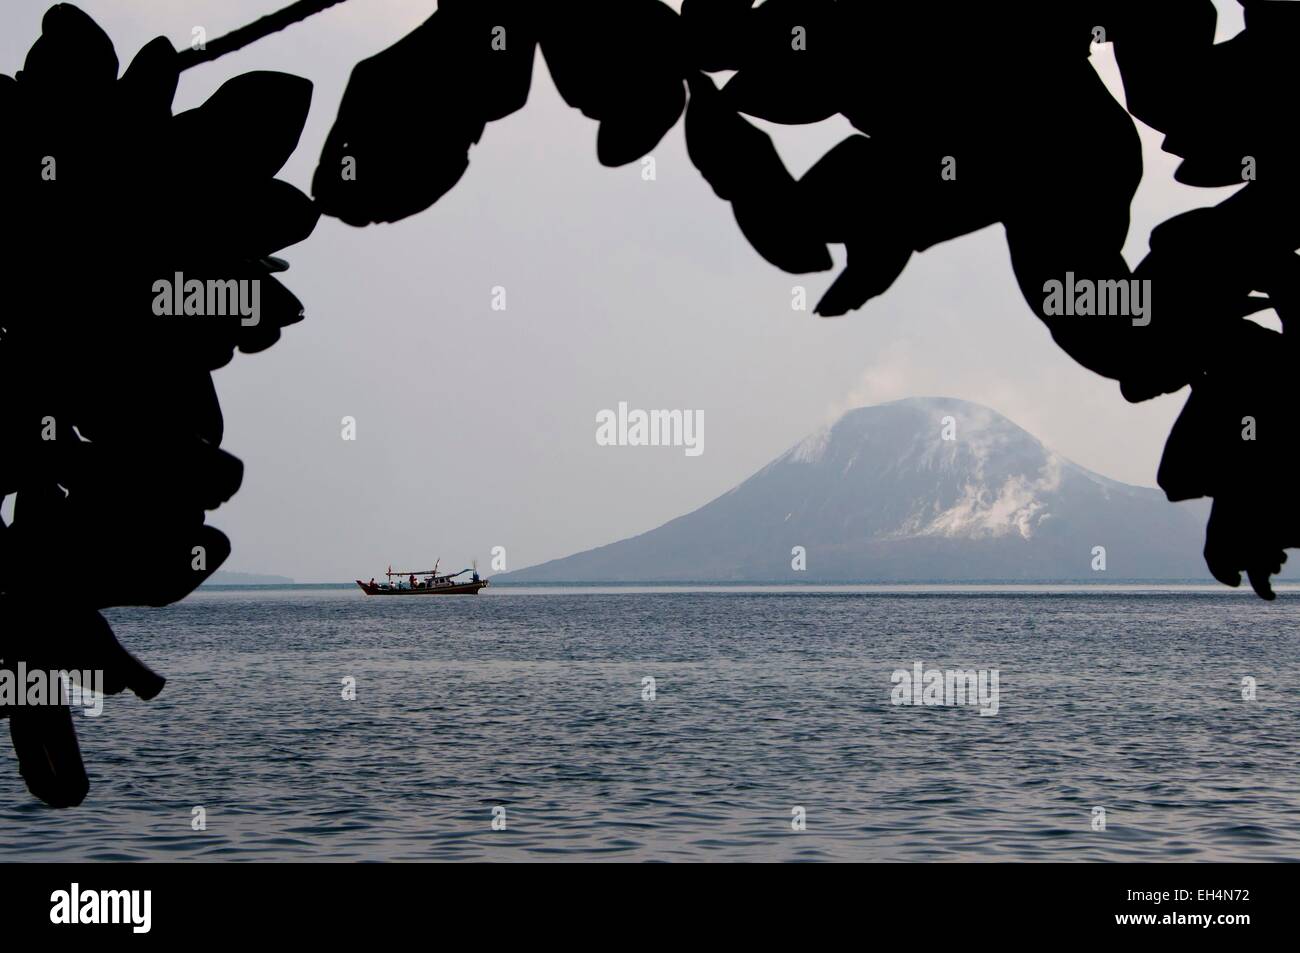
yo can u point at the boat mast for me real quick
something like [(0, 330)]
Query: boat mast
[(414, 572)]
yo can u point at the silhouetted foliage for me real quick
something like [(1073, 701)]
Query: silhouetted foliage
[(968, 114), (971, 114), (112, 428)]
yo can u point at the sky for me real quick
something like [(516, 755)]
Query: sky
[(475, 428)]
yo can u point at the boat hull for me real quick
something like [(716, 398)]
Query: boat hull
[(458, 589)]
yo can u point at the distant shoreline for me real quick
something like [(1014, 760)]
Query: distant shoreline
[(998, 585), (223, 577)]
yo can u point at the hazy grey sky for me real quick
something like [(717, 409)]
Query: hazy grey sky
[(475, 428)]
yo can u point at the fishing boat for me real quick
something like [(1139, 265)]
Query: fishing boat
[(431, 583)]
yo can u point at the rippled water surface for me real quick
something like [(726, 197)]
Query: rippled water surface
[(765, 701)]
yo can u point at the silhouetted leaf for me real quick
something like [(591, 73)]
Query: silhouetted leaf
[(739, 161), (262, 115), (872, 267), (790, 69), (73, 58), (49, 757), (716, 32), (781, 95), (493, 43), (410, 114), (621, 65)]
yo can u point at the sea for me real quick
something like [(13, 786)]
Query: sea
[(692, 723)]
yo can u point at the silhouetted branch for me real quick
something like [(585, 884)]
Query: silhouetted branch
[(245, 35)]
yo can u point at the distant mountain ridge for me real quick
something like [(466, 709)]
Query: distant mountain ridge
[(882, 496)]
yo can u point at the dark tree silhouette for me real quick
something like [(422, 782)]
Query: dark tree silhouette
[(970, 114), (111, 425)]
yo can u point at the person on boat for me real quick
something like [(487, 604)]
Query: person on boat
[(372, 582)]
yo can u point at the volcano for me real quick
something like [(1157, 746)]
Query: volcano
[(919, 490)]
